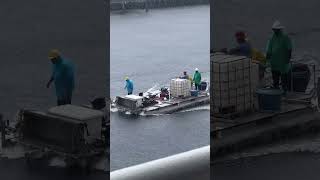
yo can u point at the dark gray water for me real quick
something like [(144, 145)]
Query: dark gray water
[(29, 33), (151, 48), (293, 166), (30, 29), (16, 169)]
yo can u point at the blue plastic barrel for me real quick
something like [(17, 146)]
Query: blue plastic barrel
[(203, 86), (269, 99), (194, 93)]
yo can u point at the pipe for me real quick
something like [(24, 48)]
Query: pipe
[(189, 165)]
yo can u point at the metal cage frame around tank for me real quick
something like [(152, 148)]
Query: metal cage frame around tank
[(244, 78)]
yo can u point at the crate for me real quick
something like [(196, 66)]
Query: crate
[(131, 102), (234, 81), (68, 129), (180, 87)]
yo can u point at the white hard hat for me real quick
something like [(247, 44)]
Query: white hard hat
[(277, 25), (196, 69)]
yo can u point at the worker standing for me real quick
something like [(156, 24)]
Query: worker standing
[(129, 85), (185, 75), (279, 50), (243, 48), (197, 79), (62, 76)]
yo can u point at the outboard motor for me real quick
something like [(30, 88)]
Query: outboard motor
[(164, 93)]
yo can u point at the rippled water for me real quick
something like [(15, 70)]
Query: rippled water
[(151, 48)]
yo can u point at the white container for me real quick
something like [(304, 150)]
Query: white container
[(180, 87), (234, 82), (92, 118), (136, 99)]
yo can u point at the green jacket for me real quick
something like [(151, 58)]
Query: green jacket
[(278, 51), (197, 78)]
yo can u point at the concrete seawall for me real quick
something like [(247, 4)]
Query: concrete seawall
[(152, 4)]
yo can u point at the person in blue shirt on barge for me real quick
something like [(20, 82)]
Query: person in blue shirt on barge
[(62, 76), (129, 85)]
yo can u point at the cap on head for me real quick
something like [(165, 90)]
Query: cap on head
[(54, 53), (196, 69), (240, 35), (277, 25), (126, 78)]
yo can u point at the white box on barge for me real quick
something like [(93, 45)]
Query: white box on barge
[(180, 87), (234, 81), (132, 102), (90, 117), (65, 129)]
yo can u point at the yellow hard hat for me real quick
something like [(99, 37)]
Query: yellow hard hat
[(54, 53), (126, 78)]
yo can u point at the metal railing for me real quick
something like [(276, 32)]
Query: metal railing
[(189, 165)]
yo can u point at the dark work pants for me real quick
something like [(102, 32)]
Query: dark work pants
[(65, 100), (198, 86), (276, 75)]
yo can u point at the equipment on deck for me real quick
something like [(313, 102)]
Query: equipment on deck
[(180, 87), (68, 128), (234, 82), (203, 86), (130, 101), (269, 99)]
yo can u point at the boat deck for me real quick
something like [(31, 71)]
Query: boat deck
[(293, 102), (178, 104)]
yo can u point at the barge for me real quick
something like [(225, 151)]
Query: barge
[(77, 134), (163, 101), (298, 114)]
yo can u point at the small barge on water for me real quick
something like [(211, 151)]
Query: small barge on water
[(179, 96)]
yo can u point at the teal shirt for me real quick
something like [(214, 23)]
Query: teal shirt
[(278, 48)]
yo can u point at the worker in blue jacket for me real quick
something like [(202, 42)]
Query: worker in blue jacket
[(62, 76), (129, 85)]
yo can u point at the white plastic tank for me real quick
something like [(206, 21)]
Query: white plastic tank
[(180, 87)]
